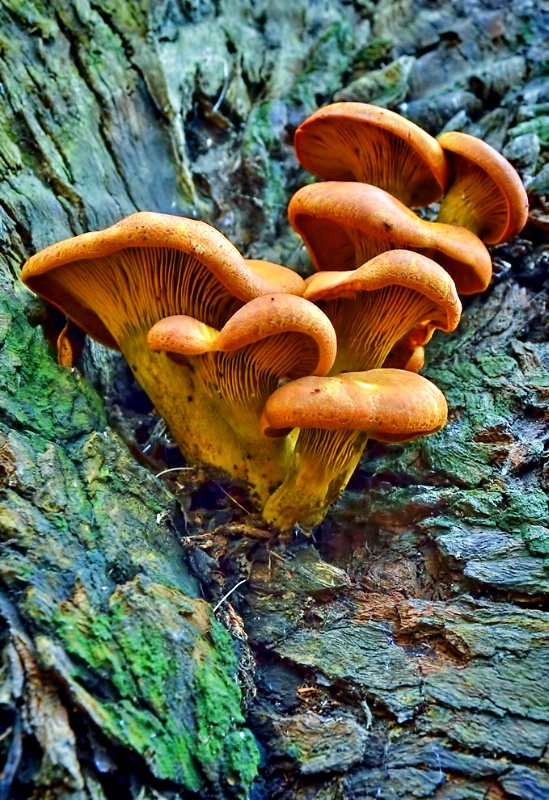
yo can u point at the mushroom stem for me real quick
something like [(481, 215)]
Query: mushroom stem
[(321, 467), (206, 428), (336, 415)]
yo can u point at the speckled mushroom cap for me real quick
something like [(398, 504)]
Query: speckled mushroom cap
[(485, 192), (346, 224), (146, 267), (361, 142), (301, 339), (391, 405)]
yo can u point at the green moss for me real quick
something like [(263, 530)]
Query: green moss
[(35, 392), (537, 538), (89, 634), (132, 17), (374, 53), (524, 506), (260, 135), (241, 757), (496, 366), (167, 688), (135, 667), (467, 462), (384, 87), (327, 61), (260, 147), (538, 125), (218, 709), (37, 16), (10, 157)]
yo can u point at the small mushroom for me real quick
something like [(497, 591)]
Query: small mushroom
[(406, 356), (485, 193), (409, 352), (117, 283), (336, 415), (270, 339), (376, 305), (361, 142), (344, 225)]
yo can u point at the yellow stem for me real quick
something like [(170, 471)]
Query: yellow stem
[(207, 429), (321, 466)]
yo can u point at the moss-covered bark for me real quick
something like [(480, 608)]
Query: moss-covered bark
[(403, 652)]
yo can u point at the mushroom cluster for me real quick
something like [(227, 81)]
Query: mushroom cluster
[(280, 381)]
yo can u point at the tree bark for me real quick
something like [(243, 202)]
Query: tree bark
[(401, 651)]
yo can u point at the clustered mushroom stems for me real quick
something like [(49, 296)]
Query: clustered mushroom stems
[(229, 405)]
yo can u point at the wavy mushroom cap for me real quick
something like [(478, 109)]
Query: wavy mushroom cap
[(345, 225), (146, 267), (289, 281), (271, 338), (374, 306), (485, 193), (361, 142), (391, 405)]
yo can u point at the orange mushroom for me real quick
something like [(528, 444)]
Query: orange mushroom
[(345, 224), (406, 353), (117, 283), (485, 193), (272, 338), (361, 142), (376, 305), (336, 415)]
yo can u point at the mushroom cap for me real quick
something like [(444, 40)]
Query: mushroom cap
[(182, 335), (392, 405), (262, 317), (342, 222), (288, 280), (72, 261), (393, 268), (360, 142), (494, 187)]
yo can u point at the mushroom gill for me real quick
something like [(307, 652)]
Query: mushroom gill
[(360, 142), (485, 192), (270, 339), (376, 305)]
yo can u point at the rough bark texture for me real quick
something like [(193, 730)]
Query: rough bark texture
[(403, 652)]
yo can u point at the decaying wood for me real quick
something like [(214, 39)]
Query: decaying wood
[(400, 653)]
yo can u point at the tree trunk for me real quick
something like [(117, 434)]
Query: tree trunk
[(401, 651)]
